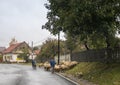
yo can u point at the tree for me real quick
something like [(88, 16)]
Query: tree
[(86, 18), (24, 55), (48, 49), (1, 58), (70, 43), (35, 48)]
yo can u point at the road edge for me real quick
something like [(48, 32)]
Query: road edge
[(68, 79)]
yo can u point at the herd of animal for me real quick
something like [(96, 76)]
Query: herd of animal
[(64, 65)]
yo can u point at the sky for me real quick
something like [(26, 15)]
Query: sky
[(22, 20)]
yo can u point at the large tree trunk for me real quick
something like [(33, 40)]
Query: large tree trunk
[(86, 46), (109, 50)]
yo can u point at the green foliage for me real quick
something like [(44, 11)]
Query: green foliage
[(35, 48), (70, 42), (85, 18), (24, 55), (1, 58), (50, 49)]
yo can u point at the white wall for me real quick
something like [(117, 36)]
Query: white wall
[(32, 56), (10, 57), (14, 58)]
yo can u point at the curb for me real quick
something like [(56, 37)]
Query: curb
[(68, 79)]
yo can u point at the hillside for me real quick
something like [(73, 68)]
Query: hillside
[(98, 73)]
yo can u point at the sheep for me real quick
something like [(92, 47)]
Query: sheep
[(73, 63), (57, 68), (40, 65), (67, 64), (46, 66), (64, 65)]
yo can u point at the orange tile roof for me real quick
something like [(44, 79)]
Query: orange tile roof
[(11, 48), (36, 52)]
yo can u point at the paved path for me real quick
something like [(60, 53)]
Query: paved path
[(13, 74)]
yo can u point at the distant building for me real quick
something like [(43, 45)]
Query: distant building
[(1, 50), (35, 54), (1, 53), (12, 53)]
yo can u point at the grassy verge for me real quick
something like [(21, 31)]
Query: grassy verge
[(25, 63), (99, 73)]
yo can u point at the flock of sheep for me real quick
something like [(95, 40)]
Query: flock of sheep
[(64, 65)]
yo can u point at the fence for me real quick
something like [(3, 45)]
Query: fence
[(63, 58), (101, 55)]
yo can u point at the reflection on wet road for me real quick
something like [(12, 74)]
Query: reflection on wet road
[(13, 74)]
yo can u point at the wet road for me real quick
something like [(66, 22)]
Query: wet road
[(13, 74)]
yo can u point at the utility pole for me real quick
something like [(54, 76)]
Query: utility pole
[(32, 49), (58, 47), (59, 29)]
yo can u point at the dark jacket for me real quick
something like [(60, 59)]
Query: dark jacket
[(52, 63), (33, 63)]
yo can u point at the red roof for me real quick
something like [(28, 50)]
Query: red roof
[(11, 48), (36, 52)]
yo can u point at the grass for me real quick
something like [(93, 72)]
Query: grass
[(99, 73), (25, 63)]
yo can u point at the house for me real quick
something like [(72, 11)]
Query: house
[(1, 53), (1, 50), (35, 54), (12, 53)]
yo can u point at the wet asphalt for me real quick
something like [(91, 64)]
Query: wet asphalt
[(15, 74)]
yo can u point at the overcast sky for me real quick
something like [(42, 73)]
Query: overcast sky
[(23, 20)]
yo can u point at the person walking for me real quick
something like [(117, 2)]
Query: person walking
[(52, 64), (33, 64)]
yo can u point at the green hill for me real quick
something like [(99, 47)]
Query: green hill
[(98, 73)]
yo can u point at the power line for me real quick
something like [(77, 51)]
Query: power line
[(43, 40), (40, 41)]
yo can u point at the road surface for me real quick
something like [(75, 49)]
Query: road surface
[(13, 74)]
